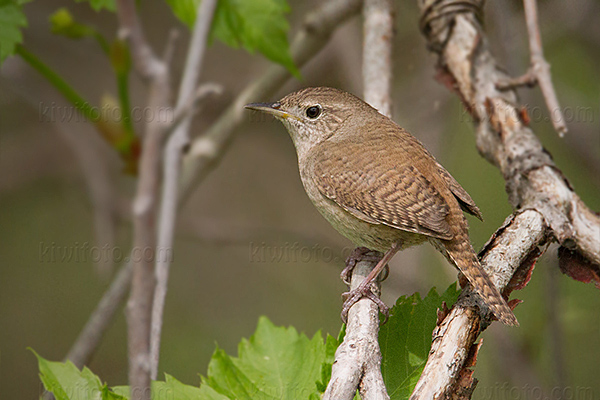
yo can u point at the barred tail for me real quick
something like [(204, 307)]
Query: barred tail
[(461, 253)]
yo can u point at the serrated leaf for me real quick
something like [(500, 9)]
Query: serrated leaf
[(12, 20), (257, 25), (98, 5), (405, 339), (67, 382), (275, 363)]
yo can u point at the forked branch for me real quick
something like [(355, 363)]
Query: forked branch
[(546, 206)]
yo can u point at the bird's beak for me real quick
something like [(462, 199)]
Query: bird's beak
[(269, 108)]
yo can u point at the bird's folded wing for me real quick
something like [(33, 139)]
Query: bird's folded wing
[(380, 189)]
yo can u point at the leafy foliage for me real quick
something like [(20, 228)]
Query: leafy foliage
[(275, 363), (251, 24), (66, 382), (405, 339), (12, 20), (278, 362)]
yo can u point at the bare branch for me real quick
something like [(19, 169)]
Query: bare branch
[(358, 358), (177, 141), (91, 335), (377, 54), (539, 71), (207, 150), (541, 68), (130, 30), (139, 307), (548, 207), (504, 254), (190, 108)]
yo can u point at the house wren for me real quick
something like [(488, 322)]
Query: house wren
[(379, 186)]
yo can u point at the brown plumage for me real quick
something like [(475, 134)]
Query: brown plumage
[(378, 185)]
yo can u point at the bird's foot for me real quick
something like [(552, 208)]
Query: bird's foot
[(360, 254), (363, 290)]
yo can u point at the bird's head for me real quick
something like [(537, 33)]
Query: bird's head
[(313, 115)]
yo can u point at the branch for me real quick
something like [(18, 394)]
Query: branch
[(207, 150), (358, 359), (539, 71), (546, 205), (146, 63), (174, 148), (91, 335), (139, 307), (377, 54), (509, 249)]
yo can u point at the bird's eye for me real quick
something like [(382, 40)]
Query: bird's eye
[(313, 112)]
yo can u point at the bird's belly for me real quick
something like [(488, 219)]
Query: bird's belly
[(378, 237)]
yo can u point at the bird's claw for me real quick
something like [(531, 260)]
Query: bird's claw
[(353, 296), (358, 254)]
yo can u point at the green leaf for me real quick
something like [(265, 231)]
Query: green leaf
[(275, 363), (405, 339), (12, 20), (172, 389), (331, 345), (66, 382), (255, 25), (185, 10), (98, 5)]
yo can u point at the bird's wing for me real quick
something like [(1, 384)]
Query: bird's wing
[(464, 200), (373, 180)]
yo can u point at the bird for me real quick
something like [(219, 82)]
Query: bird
[(378, 186)]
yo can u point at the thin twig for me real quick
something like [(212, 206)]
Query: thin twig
[(541, 68), (146, 63), (539, 71), (139, 307), (177, 141), (190, 108), (91, 335), (357, 363)]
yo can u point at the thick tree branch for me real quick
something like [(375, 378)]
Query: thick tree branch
[(358, 359), (207, 150), (509, 249), (547, 206), (172, 163)]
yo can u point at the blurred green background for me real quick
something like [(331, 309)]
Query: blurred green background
[(219, 286)]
